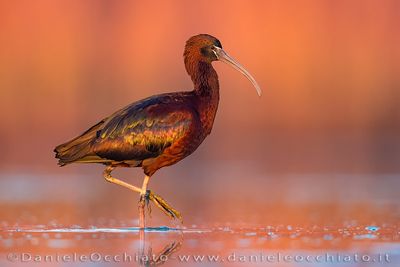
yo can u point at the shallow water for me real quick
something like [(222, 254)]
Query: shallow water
[(222, 246), (309, 220)]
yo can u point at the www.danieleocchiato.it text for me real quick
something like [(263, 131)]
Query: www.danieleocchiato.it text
[(233, 257)]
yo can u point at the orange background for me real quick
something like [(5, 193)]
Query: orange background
[(329, 71)]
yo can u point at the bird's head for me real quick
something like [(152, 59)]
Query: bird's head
[(207, 48)]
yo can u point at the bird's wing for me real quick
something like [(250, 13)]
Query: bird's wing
[(144, 129)]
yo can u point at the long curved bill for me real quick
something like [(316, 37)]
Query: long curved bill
[(224, 57)]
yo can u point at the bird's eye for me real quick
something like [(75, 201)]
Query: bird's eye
[(209, 51)]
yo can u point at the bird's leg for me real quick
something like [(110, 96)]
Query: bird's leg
[(143, 201), (109, 178), (145, 197)]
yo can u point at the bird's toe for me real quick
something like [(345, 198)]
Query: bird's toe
[(164, 206)]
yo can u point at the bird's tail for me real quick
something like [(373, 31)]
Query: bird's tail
[(78, 148)]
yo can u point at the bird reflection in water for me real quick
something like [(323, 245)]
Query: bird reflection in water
[(148, 257)]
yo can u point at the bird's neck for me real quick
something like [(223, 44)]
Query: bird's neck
[(206, 88), (204, 77)]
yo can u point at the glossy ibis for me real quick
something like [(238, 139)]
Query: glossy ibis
[(160, 130)]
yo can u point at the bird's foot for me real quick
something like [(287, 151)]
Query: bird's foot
[(145, 200), (161, 204)]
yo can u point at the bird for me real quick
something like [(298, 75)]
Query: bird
[(160, 130)]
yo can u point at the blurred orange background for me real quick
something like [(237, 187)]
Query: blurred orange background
[(329, 71)]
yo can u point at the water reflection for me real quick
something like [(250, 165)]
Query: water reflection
[(152, 258), (177, 247)]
